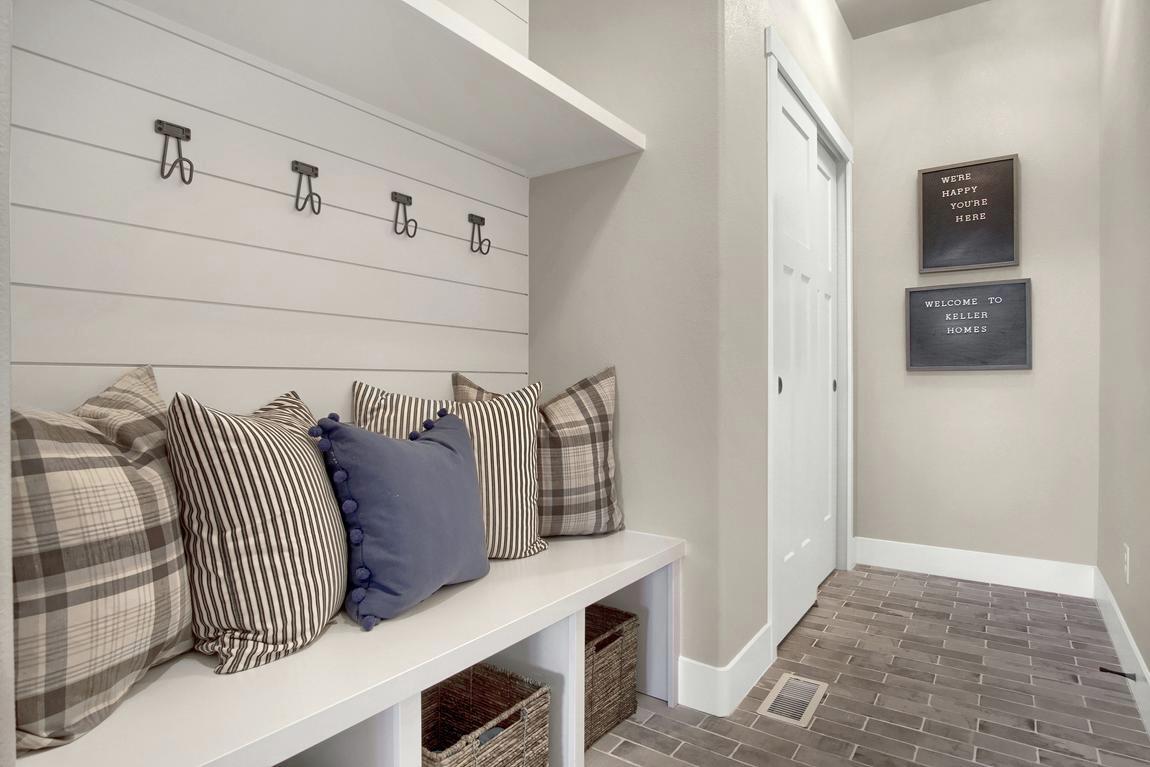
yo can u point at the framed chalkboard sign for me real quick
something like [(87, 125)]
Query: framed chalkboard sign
[(976, 326), (968, 215)]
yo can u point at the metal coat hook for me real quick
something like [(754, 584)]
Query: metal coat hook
[(479, 244), (410, 226), (312, 198), (181, 134)]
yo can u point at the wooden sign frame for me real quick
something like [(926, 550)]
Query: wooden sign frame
[(1017, 178), (1027, 365)]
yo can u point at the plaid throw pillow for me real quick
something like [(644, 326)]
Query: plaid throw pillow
[(576, 455), (503, 436), (98, 569)]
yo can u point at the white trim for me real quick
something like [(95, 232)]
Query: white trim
[(844, 366), (718, 691), (1129, 655), (772, 87), (789, 66), (1022, 572)]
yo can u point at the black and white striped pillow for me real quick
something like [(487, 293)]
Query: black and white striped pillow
[(264, 539), (504, 433)]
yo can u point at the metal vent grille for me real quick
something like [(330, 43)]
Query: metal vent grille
[(793, 699)]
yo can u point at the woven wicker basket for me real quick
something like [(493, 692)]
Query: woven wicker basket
[(612, 658), (458, 711)]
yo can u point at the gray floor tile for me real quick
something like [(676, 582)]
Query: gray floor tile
[(643, 756), (922, 671), (606, 743), (753, 737), (694, 735), (599, 759), (1120, 733), (924, 739), (756, 757), (1117, 760), (701, 757), (637, 733)]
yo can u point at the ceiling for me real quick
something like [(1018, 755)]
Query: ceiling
[(866, 17)]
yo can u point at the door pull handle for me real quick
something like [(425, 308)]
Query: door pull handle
[(780, 384)]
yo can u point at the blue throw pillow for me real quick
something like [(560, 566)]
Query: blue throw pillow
[(412, 509)]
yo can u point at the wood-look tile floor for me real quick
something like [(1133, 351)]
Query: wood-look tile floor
[(922, 671)]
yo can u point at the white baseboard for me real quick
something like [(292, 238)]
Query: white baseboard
[(718, 691), (1022, 572), (1128, 653)]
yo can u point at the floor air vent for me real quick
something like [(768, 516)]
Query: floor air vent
[(793, 699)]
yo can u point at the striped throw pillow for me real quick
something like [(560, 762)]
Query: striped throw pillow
[(576, 455), (503, 433), (263, 534), (100, 584)]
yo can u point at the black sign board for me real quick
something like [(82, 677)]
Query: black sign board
[(968, 215), (976, 326)]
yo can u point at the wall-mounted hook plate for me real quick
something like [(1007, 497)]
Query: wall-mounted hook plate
[(311, 171), (479, 243), (409, 226), (303, 170), (181, 134), (174, 131)]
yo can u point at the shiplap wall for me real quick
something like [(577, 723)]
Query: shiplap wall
[(7, 652), (506, 19), (231, 293)]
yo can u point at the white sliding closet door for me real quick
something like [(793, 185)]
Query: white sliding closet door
[(803, 181)]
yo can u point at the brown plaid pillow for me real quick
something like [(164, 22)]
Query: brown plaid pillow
[(101, 590), (576, 455)]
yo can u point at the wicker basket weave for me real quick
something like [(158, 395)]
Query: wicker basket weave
[(459, 710), (612, 658)]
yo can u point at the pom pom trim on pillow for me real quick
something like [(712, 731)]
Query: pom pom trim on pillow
[(412, 510)]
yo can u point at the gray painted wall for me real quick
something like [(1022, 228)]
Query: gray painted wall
[(655, 263), (1125, 231), (624, 265), (1003, 462)]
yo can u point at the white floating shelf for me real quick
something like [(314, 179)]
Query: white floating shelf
[(183, 714), (423, 62)]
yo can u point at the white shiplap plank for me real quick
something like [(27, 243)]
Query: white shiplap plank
[(63, 387), (61, 100), (521, 8), (116, 45), (484, 12), (54, 326), (57, 174), (505, 19), (68, 251)]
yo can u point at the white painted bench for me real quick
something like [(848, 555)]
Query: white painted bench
[(353, 697)]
